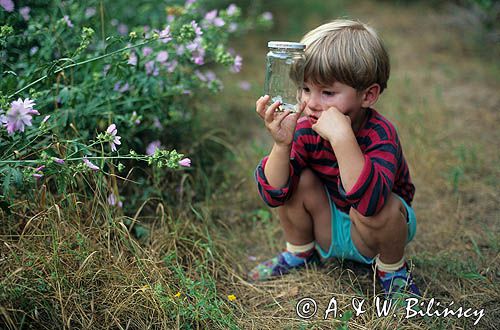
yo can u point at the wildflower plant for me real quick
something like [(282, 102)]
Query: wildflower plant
[(91, 87)]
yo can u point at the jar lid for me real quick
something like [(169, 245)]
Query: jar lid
[(285, 45)]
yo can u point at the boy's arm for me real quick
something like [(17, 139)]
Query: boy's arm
[(350, 159), (272, 193), (277, 169), (375, 181), (275, 174), (366, 179)]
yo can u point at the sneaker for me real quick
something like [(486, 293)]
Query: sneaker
[(398, 284), (278, 265)]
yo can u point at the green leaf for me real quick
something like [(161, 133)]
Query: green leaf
[(6, 181), (346, 316), (473, 276), (140, 231), (17, 176)]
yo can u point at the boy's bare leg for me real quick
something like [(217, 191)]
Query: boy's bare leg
[(384, 234), (306, 217), (305, 220)]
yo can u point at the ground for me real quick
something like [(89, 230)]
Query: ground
[(443, 98)]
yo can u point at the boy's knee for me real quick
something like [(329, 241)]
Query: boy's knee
[(308, 189), (308, 183), (392, 213), (308, 180)]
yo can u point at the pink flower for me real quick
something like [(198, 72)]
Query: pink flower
[(151, 148), (208, 77), (211, 15), (147, 51), (68, 21), (8, 5), (232, 9), (25, 13), (137, 121), (165, 35), (113, 201), (219, 22), (197, 51), (58, 160), (39, 168), (179, 49), (122, 29), (212, 18), (157, 123), (162, 56), (19, 115), (89, 164), (196, 28), (238, 63), (268, 16), (245, 85), (151, 69), (38, 172), (171, 65), (89, 12), (132, 59), (116, 139), (186, 162), (232, 27), (121, 88)]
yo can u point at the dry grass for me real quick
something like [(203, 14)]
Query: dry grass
[(443, 98), (79, 266)]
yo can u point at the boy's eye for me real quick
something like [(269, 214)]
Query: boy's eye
[(329, 93), (306, 89)]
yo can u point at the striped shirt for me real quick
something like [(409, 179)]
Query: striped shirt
[(385, 168)]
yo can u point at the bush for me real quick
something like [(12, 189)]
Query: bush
[(83, 93)]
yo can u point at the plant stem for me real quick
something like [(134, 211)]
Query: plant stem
[(80, 63)]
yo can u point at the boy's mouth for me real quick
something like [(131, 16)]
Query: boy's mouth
[(313, 119)]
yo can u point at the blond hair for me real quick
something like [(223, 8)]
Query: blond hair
[(346, 51)]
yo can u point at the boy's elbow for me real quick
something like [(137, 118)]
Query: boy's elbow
[(268, 200), (272, 204)]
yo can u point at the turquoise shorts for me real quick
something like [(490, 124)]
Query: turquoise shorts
[(342, 246)]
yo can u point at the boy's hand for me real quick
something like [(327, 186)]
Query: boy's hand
[(281, 125), (333, 125)]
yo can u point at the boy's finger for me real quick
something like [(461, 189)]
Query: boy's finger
[(260, 107), (302, 106), (270, 112), (281, 116)]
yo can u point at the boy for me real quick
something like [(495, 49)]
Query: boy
[(338, 174)]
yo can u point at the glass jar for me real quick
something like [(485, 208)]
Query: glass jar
[(285, 74)]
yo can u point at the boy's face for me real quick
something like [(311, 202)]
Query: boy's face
[(320, 98)]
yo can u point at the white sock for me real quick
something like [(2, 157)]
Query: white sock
[(388, 268), (299, 248)]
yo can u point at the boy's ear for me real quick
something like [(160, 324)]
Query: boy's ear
[(370, 95)]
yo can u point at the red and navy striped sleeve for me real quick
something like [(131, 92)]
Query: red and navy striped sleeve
[(383, 167), (376, 181)]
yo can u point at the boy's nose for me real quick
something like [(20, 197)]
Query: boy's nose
[(314, 103)]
